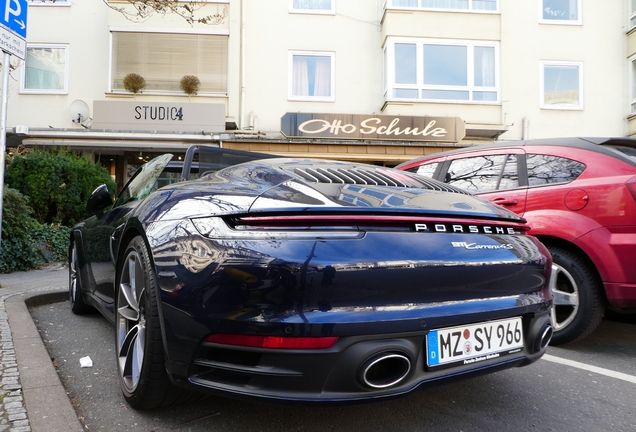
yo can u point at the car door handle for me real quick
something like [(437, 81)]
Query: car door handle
[(505, 201)]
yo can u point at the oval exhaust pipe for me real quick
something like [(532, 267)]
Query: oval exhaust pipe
[(544, 338), (385, 370)]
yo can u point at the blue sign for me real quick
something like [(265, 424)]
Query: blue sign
[(13, 16)]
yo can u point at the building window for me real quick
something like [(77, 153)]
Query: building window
[(45, 70), (311, 76), (561, 85), (164, 58), (442, 70), (560, 12), (452, 5), (49, 3), (632, 14), (313, 6)]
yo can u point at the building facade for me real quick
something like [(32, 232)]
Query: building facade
[(379, 81)]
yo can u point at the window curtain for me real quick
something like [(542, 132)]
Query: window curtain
[(322, 85), (445, 4), (484, 5), (407, 3), (300, 80), (312, 4), (484, 66), (311, 76)]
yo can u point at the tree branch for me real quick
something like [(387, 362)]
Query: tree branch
[(141, 10)]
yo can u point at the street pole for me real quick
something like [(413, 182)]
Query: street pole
[(3, 128)]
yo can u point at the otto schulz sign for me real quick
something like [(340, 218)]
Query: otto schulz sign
[(373, 127)]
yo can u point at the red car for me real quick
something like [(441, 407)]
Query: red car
[(579, 197)]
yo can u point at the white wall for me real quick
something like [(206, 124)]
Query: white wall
[(84, 27), (355, 34), (599, 44)]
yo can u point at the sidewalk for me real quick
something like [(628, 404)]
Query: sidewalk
[(32, 397)]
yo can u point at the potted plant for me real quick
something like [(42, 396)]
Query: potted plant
[(190, 84), (134, 83)]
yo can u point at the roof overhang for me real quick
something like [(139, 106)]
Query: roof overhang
[(484, 131)]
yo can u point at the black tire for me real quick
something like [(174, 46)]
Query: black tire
[(578, 300), (138, 334), (75, 296)]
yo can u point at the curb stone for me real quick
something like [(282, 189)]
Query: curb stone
[(32, 397)]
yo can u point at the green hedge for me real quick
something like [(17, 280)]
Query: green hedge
[(26, 243), (45, 194), (58, 183)]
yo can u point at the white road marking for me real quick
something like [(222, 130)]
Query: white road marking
[(590, 368)]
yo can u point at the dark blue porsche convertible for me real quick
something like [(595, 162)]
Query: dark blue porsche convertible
[(301, 280)]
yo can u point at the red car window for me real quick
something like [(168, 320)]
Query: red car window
[(544, 169), (486, 173)]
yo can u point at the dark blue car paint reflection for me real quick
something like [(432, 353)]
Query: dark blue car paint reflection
[(279, 248)]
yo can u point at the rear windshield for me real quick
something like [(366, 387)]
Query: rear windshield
[(630, 152)]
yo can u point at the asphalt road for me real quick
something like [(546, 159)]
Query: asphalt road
[(595, 391)]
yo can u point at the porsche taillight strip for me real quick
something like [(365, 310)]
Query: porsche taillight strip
[(274, 342), (302, 227), (215, 227), (414, 223)]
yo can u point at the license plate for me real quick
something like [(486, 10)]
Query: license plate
[(474, 343)]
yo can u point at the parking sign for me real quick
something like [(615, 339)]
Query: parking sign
[(13, 16), (13, 27)]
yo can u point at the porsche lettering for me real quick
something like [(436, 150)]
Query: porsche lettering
[(470, 229)]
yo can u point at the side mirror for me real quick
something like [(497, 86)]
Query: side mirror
[(99, 200)]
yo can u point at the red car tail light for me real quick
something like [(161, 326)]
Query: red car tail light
[(276, 342)]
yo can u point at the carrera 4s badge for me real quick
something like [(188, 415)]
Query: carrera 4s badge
[(466, 245)]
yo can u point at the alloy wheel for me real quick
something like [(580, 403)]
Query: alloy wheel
[(565, 297), (72, 276), (131, 321)]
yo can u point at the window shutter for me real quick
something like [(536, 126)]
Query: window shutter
[(162, 59)]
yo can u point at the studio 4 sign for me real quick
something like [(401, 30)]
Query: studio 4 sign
[(373, 127), (156, 116)]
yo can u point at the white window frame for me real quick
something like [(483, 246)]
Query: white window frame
[(64, 90), (631, 82), (631, 16), (290, 74), (331, 11), (419, 85), (542, 103), (578, 21), (388, 4)]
